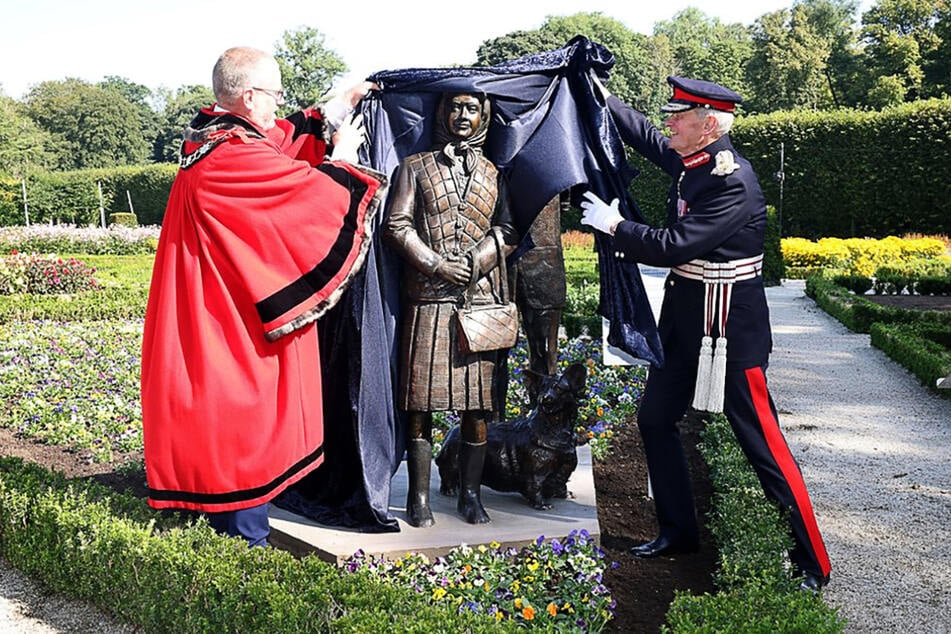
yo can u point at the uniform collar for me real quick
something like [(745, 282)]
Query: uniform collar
[(703, 155)]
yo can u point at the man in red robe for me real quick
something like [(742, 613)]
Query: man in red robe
[(260, 237)]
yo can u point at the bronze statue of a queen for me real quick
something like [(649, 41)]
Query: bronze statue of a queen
[(444, 206)]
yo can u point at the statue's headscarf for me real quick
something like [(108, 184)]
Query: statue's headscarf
[(456, 149)]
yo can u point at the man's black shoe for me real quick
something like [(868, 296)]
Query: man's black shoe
[(663, 546), (812, 583)]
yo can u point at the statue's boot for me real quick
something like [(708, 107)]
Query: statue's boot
[(419, 457), (471, 461)]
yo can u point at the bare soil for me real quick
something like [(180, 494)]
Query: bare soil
[(643, 589), (913, 302)]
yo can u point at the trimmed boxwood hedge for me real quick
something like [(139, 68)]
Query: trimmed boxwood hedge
[(919, 340), (73, 197), (924, 349), (755, 592), (110, 549)]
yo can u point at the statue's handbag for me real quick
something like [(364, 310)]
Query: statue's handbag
[(484, 327)]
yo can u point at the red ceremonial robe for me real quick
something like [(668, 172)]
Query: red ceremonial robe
[(256, 244)]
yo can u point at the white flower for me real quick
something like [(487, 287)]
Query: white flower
[(726, 164)]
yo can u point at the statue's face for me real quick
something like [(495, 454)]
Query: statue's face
[(465, 115)]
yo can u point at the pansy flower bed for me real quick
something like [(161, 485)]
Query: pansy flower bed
[(73, 384), (555, 585), (77, 384)]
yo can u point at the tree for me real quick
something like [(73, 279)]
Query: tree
[(179, 111), (94, 126), (139, 96), (23, 144), (789, 62), (937, 64), (516, 44), (308, 68), (705, 48), (834, 22), (901, 38)]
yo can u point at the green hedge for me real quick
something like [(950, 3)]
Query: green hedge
[(107, 303), (842, 178), (89, 542), (756, 593), (919, 340), (124, 218), (73, 197), (774, 267), (858, 314), (151, 569), (924, 349)]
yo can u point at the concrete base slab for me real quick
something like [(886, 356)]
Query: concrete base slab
[(514, 522)]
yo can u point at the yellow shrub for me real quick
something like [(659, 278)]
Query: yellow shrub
[(857, 256), (828, 252)]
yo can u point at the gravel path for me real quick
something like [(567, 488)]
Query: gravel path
[(27, 608), (875, 450)]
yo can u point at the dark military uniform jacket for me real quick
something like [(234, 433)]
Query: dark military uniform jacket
[(711, 216)]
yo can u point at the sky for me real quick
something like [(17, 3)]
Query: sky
[(172, 43)]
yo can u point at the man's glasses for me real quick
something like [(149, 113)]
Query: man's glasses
[(276, 95)]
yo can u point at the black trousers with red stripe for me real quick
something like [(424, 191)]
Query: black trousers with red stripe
[(752, 415)]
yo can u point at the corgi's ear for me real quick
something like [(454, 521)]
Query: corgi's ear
[(576, 374), (537, 376)]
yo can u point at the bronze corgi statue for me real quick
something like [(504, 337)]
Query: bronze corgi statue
[(534, 456)]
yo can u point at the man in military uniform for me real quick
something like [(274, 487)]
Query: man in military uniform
[(714, 296), (444, 208)]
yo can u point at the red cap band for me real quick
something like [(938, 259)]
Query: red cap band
[(682, 95)]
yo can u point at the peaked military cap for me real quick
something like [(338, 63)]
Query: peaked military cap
[(696, 93)]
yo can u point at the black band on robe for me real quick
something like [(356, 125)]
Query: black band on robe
[(550, 132)]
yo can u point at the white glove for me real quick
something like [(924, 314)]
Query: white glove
[(598, 214), (347, 140), (339, 107)]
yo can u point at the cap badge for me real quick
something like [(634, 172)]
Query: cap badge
[(726, 164)]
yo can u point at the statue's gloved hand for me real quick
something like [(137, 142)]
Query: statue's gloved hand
[(598, 214), (347, 140), (455, 270)]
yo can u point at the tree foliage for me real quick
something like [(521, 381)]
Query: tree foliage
[(902, 37), (90, 125), (23, 144), (937, 64), (308, 67), (789, 63), (139, 96), (179, 110), (640, 68), (705, 47)]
